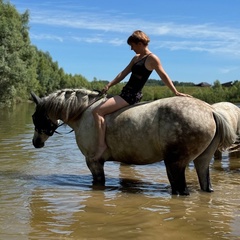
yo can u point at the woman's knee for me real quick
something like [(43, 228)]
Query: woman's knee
[(97, 113)]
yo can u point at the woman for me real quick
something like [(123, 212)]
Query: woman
[(141, 66)]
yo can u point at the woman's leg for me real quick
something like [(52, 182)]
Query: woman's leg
[(111, 105)]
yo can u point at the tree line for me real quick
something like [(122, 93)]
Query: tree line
[(25, 68)]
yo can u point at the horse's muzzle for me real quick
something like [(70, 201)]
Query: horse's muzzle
[(37, 143)]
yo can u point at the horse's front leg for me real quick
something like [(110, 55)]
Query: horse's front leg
[(97, 170)]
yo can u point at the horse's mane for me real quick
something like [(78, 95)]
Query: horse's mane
[(68, 103)]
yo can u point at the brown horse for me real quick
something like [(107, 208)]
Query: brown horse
[(176, 130)]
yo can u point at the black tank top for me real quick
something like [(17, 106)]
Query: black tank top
[(139, 76)]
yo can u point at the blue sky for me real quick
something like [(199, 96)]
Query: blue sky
[(196, 40)]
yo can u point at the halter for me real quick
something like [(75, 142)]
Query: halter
[(45, 125)]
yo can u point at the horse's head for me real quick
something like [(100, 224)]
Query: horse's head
[(67, 105), (44, 126)]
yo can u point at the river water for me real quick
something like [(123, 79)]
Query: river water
[(47, 193)]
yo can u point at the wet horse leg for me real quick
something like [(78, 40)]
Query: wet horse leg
[(202, 168), (176, 176), (97, 170), (218, 155), (202, 163)]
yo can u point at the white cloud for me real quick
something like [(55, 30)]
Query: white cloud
[(200, 37), (213, 47), (227, 70), (117, 41), (88, 39), (46, 36)]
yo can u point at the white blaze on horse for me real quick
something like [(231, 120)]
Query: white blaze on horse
[(177, 130), (232, 114)]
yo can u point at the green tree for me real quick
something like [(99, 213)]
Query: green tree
[(217, 85), (16, 53)]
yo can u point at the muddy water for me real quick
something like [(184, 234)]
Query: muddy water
[(47, 193)]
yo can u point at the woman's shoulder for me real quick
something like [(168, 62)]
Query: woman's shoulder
[(152, 61), (153, 58)]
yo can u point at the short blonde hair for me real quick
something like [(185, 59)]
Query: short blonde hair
[(138, 36)]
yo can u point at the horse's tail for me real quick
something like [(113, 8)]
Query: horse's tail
[(225, 131)]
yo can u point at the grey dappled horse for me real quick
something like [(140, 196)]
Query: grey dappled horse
[(176, 130), (232, 115)]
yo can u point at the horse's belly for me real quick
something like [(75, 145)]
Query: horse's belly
[(135, 147), (137, 157), (186, 147)]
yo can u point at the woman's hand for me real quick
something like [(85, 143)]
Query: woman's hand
[(105, 89), (182, 94)]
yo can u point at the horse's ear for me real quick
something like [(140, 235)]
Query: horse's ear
[(35, 98)]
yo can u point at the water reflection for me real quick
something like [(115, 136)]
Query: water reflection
[(228, 162), (48, 194), (103, 214)]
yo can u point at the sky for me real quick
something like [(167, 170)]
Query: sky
[(196, 40)]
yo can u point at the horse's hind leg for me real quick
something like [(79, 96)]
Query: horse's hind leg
[(202, 167), (97, 170), (218, 155), (202, 163), (176, 176)]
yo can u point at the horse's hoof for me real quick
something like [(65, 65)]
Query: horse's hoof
[(181, 192)]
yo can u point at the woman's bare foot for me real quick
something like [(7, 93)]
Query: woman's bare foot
[(99, 152)]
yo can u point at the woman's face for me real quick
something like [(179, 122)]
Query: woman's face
[(136, 47)]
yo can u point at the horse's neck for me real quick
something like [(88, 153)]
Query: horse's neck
[(77, 116), (72, 116)]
